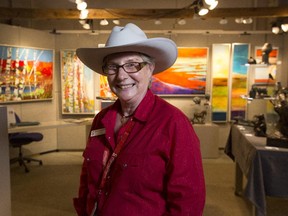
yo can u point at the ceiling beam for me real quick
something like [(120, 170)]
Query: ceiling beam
[(40, 13)]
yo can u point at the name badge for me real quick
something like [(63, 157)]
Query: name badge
[(97, 132)]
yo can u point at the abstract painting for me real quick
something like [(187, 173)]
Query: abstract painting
[(186, 77), (26, 74), (78, 85), (220, 76), (240, 55)]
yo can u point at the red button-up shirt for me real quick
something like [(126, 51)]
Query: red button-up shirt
[(158, 171)]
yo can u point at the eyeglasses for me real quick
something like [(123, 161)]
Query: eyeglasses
[(130, 67)]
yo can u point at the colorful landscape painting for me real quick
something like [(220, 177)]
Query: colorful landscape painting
[(240, 55), (186, 77), (220, 75), (78, 85), (26, 74)]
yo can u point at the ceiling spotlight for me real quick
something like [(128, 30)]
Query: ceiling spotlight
[(213, 5), (181, 21), (275, 28), (82, 6), (247, 20), (157, 22), (223, 21), (116, 22), (203, 11), (104, 22), (82, 21), (239, 20), (84, 14), (284, 27), (88, 24)]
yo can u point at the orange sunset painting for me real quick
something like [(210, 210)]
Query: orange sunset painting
[(186, 76)]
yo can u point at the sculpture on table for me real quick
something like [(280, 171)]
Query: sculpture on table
[(199, 112), (259, 125), (280, 103), (266, 49)]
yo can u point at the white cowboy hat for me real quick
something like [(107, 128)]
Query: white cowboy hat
[(131, 39)]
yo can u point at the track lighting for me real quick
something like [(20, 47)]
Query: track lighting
[(181, 21), (157, 22), (88, 24), (275, 30), (82, 6), (279, 26), (104, 22), (223, 21), (116, 22), (202, 7), (284, 27), (241, 20), (83, 14)]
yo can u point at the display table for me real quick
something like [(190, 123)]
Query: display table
[(63, 133), (208, 135), (264, 167)]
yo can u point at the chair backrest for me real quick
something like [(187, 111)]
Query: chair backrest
[(18, 120), (11, 118)]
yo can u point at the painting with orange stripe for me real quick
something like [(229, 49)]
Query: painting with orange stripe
[(186, 77)]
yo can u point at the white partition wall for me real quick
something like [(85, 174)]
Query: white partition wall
[(5, 189)]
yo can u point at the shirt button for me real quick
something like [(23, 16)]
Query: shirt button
[(125, 165)]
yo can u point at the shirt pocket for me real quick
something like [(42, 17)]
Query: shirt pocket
[(93, 156), (139, 171)]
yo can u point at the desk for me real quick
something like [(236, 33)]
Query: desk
[(60, 124), (266, 168)]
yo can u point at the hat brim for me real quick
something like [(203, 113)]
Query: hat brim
[(162, 50)]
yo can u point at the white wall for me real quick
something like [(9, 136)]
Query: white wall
[(5, 189), (51, 110)]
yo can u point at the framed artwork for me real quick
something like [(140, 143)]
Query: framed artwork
[(77, 85), (186, 77), (273, 55), (220, 77), (105, 91), (26, 74), (240, 55)]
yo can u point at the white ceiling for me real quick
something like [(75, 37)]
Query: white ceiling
[(193, 24)]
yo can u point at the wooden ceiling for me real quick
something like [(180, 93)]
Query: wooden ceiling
[(39, 13)]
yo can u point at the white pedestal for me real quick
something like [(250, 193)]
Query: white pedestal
[(209, 137)]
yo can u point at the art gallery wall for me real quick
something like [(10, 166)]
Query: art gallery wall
[(51, 110)]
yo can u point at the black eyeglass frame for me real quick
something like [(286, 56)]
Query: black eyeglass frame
[(139, 67)]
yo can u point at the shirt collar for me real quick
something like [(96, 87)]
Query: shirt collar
[(142, 112)]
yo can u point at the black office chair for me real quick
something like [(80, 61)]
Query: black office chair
[(17, 140)]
